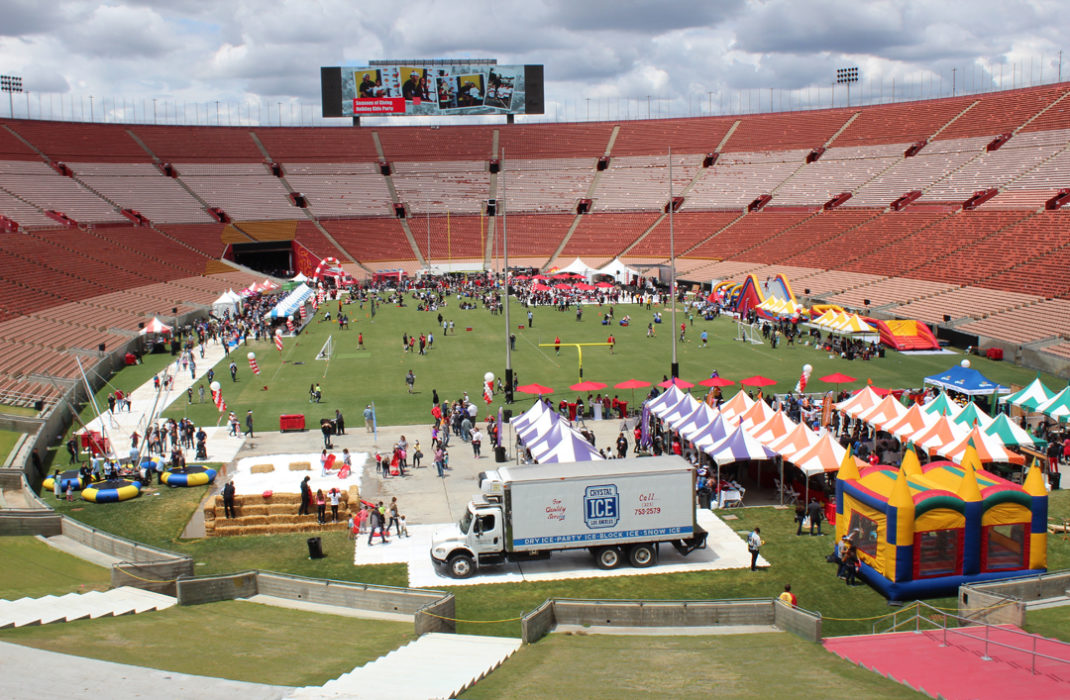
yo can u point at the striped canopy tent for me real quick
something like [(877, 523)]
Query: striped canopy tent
[(738, 446), (989, 449), (755, 415), (887, 411), (824, 319), (681, 410), (564, 444), (736, 406), (825, 455), (538, 428), (697, 421), (794, 442), (714, 432), (862, 401), (665, 401), (971, 415), (1009, 432), (776, 426), (777, 307), (1057, 407), (528, 417), (1030, 397), (942, 406), (910, 423), (942, 432)]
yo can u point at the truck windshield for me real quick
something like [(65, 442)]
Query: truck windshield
[(466, 521)]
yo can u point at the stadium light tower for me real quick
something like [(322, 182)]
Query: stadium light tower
[(674, 368), (846, 76), (10, 84)]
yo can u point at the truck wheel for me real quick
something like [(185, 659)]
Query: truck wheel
[(608, 557), (461, 566), (642, 555)]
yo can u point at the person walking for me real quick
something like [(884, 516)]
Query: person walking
[(754, 544), (410, 380), (394, 513), (228, 500), (339, 423), (249, 424), (369, 417), (477, 441), (375, 524), (557, 344), (813, 511), (306, 496), (233, 371)]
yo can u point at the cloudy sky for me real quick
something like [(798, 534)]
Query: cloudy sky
[(609, 59)]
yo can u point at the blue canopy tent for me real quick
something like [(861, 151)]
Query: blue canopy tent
[(291, 302), (966, 381)]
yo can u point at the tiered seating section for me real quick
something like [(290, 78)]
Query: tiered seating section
[(861, 250)]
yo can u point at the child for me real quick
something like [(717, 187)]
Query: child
[(402, 527), (351, 527)]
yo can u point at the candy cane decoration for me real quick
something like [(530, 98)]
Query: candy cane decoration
[(800, 386), (217, 397), (290, 324), (278, 339), (304, 312), (252, 363)]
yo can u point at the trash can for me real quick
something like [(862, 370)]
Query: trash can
[(499, 454), (315, 548)]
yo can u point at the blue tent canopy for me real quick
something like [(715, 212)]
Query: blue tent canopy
[(967, 381), (291, 302)]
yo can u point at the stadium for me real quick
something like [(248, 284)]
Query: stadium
[(944, 211)]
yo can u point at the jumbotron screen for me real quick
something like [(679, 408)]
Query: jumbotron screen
[(436, 88)]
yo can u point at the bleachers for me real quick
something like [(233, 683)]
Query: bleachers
[(607, 235), (785, 131), (536, 235), (25, 215), (748, 232), (890, 290), (554, 141), (46, 189), (920, 172), (11, 148), (838, 170), (371, 239), (341, 189), (823, 226), (317, 145), (545, 185), (461, 186), (422, 143), (1001, 240), (80, 142), (688, 229), (993, 169), (453, 237), (199, 144), (642, 182), (823, 283), (310, 237), (143, 188), (645, 138), (963, 302), (901, 123), (206, 239), (1000, 112), (1043, 319), (245, 191), (738, 178)]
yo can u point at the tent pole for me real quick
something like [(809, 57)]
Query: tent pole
[(780, 459)]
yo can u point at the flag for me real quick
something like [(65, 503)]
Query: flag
[(498, 441), (644, 427)]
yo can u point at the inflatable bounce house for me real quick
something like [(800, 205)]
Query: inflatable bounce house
[(922, 531)]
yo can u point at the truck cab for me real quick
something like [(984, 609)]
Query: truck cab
[(476, 539)]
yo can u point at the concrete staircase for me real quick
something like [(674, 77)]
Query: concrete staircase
[(434, 666), (80, 606)]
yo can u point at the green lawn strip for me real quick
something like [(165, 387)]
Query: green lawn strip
[(1050, 622), (747, 666), (32, 568), (17, 410), (232, 639), (8, 438), (456, 363)]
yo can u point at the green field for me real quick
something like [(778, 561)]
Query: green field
[(457, 363), (8, 438), (232, 639), (752, 666), (32, 568), (1050, 622)]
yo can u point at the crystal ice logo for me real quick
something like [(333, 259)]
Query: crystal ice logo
[(601, 506)]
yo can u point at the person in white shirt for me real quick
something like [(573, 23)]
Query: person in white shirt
[(754, 543)]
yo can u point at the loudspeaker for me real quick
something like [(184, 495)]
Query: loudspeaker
[(806, 291), (947, 318), (174, 310), (140, 325), (866, 302), (101, 347), (507, 415), (492, 207), (38, 405)]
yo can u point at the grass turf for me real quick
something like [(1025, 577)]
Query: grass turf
[(1049, 622), (32, 568), (232, 639), (750, 666), (8, 438), (456, 363)]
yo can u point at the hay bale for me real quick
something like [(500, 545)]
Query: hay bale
[(262, 469), (280, 509), (300, 467), (354, 494)]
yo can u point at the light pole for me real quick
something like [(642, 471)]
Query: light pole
[(674, 369), (11, 84), (505, 264), (846, 76)]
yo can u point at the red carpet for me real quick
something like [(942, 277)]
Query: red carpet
[(957, 671)]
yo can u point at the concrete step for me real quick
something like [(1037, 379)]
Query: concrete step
[(448, 663), (79, 606)]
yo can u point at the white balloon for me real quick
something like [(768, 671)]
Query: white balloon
[(807, 369), (965, 363), (488, 377), (251, 356), (214, 386), (278, 331)]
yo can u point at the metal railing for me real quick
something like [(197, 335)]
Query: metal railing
[(924, 617)]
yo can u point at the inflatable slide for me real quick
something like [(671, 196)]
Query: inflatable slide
[(751, 293), (905, 335)]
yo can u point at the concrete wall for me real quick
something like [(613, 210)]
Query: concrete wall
[(438, 616), (990, 608), (30, 522), (799, 622), (656, 613), (159, 576), (999, 602), (210, 589), (406, 601), (537, 624)]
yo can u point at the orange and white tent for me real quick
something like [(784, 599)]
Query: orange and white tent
[(910, 423), (825, 455), (155, 326), (776, 426), (939, 435), (736, 406), (887, 411), (794, 442), (862, 401), (989, 449), (757, 414)]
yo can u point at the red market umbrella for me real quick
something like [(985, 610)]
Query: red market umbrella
[(584, 287), (716, 381), (604, 285), (562, 276), (540, 288), (588, 386), (562, 285), (539, 277), (838, 378), (757, 380), (632, 384), (682, 384), (537, 389)]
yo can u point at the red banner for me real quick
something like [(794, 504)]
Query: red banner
[(378, 105)]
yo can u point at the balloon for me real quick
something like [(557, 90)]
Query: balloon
[(278, 331), (251, 356), (965, 363), (808, 368), (214, 386), (488, 377)]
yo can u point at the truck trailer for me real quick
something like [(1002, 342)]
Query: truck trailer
[(619, 510)]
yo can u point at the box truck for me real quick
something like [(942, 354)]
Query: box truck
[(619, 510)]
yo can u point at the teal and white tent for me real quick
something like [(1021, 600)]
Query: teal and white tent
[(1057, 407), (1030, 397), (1009, 432)]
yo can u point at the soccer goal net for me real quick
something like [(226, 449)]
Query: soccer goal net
[(327, 351), (748, 333)]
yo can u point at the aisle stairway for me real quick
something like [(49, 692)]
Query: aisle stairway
[(434, 666), (79, 606)]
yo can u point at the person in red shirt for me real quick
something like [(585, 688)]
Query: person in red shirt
[(557, 344), (612, 343)]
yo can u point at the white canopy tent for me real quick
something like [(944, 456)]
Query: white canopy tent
[(227, 301), (618, 271)]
